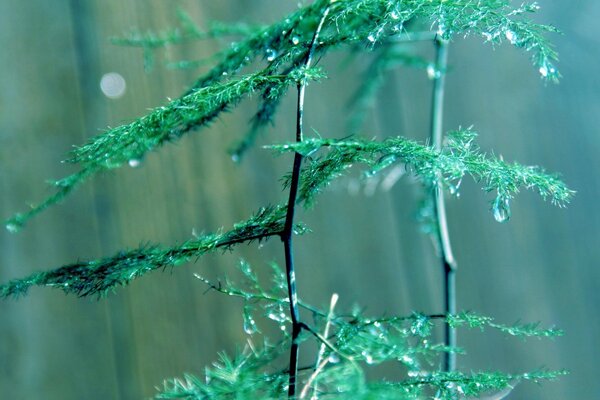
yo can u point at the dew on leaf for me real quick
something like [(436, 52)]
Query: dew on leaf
[(270, 54)]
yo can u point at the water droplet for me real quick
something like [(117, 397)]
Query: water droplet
[(12, 227), (407, 359), (295, 40), (134, 162), (511, 36), (501, 209), (224, 73), (433, 72), (271, 54), (454, 189), (235, 157), (371, 38), (249, 322), (395, 15), (368, 357), (334, 358), (547, 70)]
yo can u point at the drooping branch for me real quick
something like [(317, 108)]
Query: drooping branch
[(96, 277), (349, 23), (115, 147)]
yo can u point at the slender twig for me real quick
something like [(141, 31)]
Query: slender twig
[(446, 256), (320, 366), (327, 343), (320, 362), (286, 236), (218, 287)]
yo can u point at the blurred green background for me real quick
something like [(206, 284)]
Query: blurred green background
[(366, 245)]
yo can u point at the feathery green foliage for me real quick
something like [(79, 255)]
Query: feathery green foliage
[(284, 44), (458, 158), (96, 277), (119, 146), (354, 343), (280, 54)]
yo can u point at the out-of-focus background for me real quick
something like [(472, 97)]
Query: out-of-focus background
[(366, 245)]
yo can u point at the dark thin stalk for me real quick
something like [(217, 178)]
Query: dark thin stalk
[(287, 233), (446, 256)]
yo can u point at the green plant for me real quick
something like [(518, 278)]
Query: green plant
[(348, 342)]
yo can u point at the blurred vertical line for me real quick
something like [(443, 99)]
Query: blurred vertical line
[(117, 309)]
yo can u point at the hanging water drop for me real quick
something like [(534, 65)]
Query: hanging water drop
[(334, 358), (433, 72), (454, 189), (12, 227), (501, 209), (547, 70), (134, 162), (395, 15), (511, 36), (271, 54), (235, 157), (295, 40), (371, 38)]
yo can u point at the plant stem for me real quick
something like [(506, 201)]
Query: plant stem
[(287, 233), (446, 256)]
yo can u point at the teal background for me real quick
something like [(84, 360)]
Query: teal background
[(541, 266)]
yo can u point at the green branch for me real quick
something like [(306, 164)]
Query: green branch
[(459, 157), (98, 276), (284, 44), (116, 147)]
